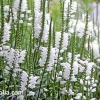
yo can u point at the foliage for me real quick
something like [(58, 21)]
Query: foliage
[(49, 50)]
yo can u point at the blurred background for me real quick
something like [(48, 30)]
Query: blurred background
[(93, 5)]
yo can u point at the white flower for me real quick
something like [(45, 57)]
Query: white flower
[(45, 89), (38, 18), (37, 24), (57, 39), (67, 69), (31, 93), (75, 68), (88, 77), (81, 81), (66, 3), (22, 15), (94, 85), (7, 68), (61, 58), (32, 81), (85, 88), (47, 17), (52, 57), (14, 74), (84, 97), (49, 69), (29, 24), (28, 11), (1, 53), (90, 30), (24, 79), (78, 97), (62, 82), (15, 17), (95, 47), (14, 56), (60, 72), (20, 21), (56, 54), (69, 56), (59, 79), (64, 91), (46, 27), (6, 72), (21, 97), (93, 90), (37, 4), (24, 5), (21, 56), (73, 78), (42, 60), (87, 82), (81, 68), (31, 86), (98, 60), (86, 46), (45, 32), (79, 94), (23, 88), (89, 68), (5, 47), (30, 18), (24, 75), (71, 92), (6, 34), (16, 5), (65, 41), (80, 29), (73, 7), (10, 55), (6, 8)]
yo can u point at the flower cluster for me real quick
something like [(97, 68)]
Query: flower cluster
[(45, 60)]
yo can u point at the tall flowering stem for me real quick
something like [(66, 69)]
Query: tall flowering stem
[(2, 21), (39, 35), (1, 37), (18, 33), (47, 59), (84, 37)]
